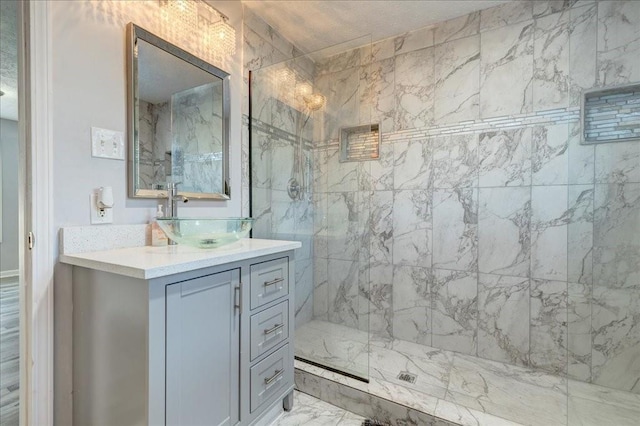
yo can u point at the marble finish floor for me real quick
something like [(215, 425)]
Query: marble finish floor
[(9, 351), (334, 345), (310, 411), (459, 388)]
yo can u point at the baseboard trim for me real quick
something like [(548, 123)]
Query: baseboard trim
[(10, 273)]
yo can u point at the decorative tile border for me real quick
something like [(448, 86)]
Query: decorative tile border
[(547, 117), (268, 130)]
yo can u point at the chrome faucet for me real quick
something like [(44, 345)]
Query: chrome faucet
[(172, 203), (172, 200)]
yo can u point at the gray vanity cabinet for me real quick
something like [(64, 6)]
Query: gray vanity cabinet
[(209, 346), (203, 350)]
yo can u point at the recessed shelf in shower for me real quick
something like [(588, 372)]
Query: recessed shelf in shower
[(360, 143), (611, 114)]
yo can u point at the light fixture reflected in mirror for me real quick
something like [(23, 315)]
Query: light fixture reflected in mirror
[(303, 88), (183, 18), (315, 101), (286, 77), (297, 92)]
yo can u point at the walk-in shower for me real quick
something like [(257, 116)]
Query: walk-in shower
[(483, 264), (298, 111), (307, 103)]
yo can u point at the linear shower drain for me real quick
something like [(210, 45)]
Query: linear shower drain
[(374, 422), (405, 376)]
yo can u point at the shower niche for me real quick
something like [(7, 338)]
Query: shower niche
[(360, 143), (611, 114)]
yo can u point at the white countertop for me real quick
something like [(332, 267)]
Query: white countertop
[(153, 262)]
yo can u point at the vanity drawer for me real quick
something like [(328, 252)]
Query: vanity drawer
[(269, 281), (269, 328), (269, 377)]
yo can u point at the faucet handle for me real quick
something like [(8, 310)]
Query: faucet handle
[(172, 189)]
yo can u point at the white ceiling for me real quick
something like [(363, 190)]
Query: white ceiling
[(9, 60), (315, 25), (310, 24)]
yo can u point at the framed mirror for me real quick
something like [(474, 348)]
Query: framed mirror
[(178, 121)]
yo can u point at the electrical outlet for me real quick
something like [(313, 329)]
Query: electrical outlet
[(99, 216), (107, 143)]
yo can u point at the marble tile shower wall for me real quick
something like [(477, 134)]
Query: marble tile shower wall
[(155, 142), (277, 130), (277, 215), (263, 46), (197, 156), (196, 163), (515, 244)]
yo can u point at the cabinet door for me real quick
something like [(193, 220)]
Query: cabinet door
[(203, 351)]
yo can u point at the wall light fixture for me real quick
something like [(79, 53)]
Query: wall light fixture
[(297, 92), (182, 18)]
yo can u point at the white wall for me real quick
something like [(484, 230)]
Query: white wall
[(89, 89), (9, 154)]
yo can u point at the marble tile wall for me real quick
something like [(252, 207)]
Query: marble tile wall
[(280, 132), (512, 243), (262, 47), (196, 159), (155, 144), (484, 227), (279, 217), (146, 139)]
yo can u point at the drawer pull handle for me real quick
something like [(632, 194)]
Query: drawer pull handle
[(269, 380), (237, 297), (272, 329), (272, 282)]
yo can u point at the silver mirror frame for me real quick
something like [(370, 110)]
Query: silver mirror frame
[(134, 33)]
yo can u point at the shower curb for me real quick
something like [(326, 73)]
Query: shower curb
[(363, 403)]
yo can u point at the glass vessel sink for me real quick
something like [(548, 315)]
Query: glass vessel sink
[(206, 232)]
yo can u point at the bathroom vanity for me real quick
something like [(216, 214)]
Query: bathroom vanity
[(183, 336)]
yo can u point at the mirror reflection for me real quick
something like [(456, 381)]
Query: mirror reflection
[(180, 118)]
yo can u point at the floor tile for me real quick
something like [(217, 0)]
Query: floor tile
[(310, 411), (464, 389)]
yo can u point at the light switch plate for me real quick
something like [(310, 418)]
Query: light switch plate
[(107, 143), (97, 217)]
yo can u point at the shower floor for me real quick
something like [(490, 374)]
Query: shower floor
[(460, 388)]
